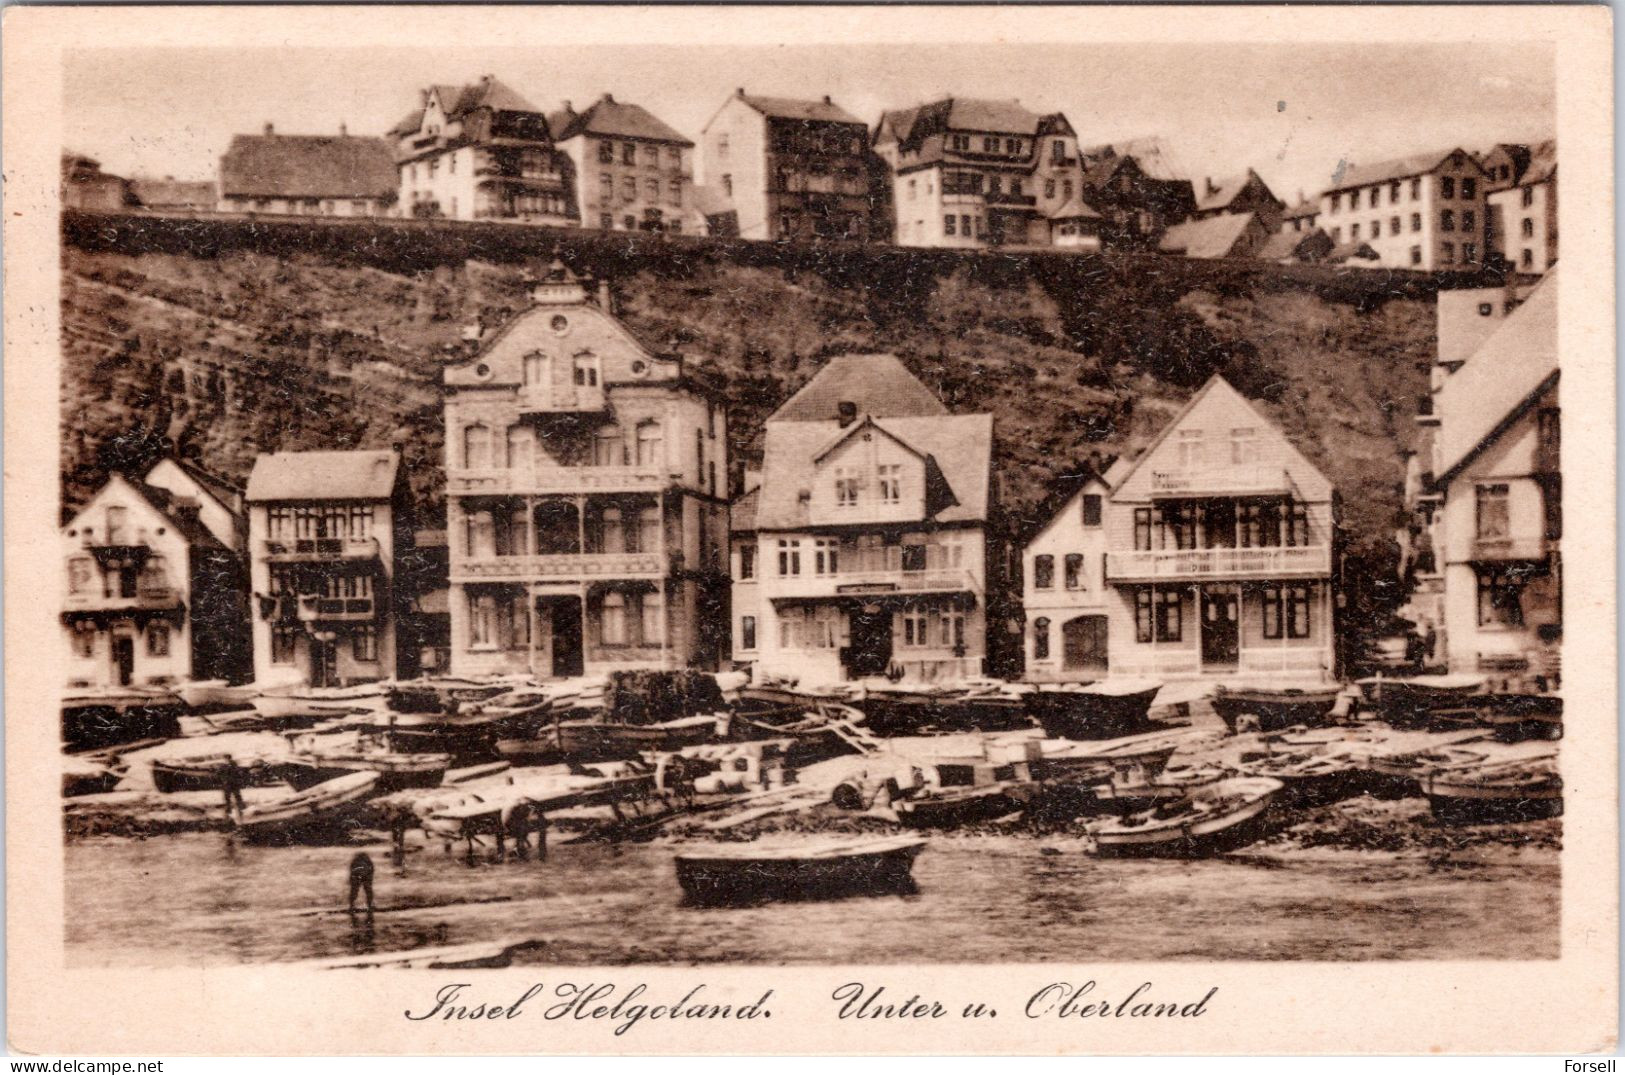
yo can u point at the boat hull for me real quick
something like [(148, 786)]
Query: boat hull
[(1275, 710), (1085, 715), (1193, 836), (886, 869), (1462, 801), (602, 741), (326, 810)]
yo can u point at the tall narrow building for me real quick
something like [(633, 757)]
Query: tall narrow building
[(586, 480)]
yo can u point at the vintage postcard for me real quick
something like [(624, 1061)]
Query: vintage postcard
[(810, 530)]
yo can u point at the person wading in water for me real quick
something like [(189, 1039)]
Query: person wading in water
[(361, 879), (232, 779)]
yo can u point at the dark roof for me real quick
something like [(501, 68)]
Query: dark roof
[(307, 166), (457, 101), (1286, 245), (1542, 164), (878, 385), (1302, 209), (159, 193), (1354, 248), (1074, 208), (742, 512), (181, 512), (1214, 237), (607, 116), (1221, 194), (1362, 175), (914, 125), (825, 111), (228, 493), (357, 475), (1061, 490)]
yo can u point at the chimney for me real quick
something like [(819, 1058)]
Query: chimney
[(269, 130), (740, 92), (827, 100), (606, 302), (609, 98), (397, 447), (344, 130), (568, 108), (846, 412)]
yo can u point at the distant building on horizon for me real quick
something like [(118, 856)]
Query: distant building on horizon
[(86, 186), (633, 172), (307, 175), (1427, 211), (1523, 208)]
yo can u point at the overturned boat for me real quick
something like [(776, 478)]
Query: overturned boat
[(802, 870), (1108, 709)]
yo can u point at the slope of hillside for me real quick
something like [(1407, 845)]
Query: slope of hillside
[(237, 350)]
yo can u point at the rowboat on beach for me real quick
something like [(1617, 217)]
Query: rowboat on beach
[(85, 776), (1517, 791), (1108, 709), (1211, 820), (325, 807), (1408, 701), (206, 772), (798, 870), (601, 739), (1275, 707), (395, 771), (207, 693)]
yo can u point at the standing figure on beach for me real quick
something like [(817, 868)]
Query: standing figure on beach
[(361, 879), (232, 779)]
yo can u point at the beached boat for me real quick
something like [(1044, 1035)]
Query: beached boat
[(599, 739), (1109, 709), (1212, 819), (950, 807), (1409, 701), (208, 693), (1518, 791), (470, 773), (1512, 717), (105, 716), (289, 710), (325, 807), (206, 772), (444, 694), (800, 870), (1311, 776), (395, 771), (84, 776), (1275, 707)]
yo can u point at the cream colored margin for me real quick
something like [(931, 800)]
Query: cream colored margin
[(1560, 1006)]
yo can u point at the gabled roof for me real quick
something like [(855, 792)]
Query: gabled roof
[(1542, 164), (1074, 209), (1364, 175), (742, 512), (607, 116), (1286, 245), (969, 114), (867, 421), (1303, 209), (1215, 237), (1221, 194), (307, 166), (1152, 155), (486, 93), (824, 111), (357, 475), (174, 511), (159, 193), (958, 451), (877, 385), (1509, 369), (1058, 496)]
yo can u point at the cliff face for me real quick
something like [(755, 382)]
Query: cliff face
[(250, 338)]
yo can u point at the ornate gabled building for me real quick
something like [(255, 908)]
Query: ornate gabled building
[(586, 498)]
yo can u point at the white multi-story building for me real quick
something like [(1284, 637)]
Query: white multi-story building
[(326, 531), (633, 171), (586, 498), (1424, 212), (864, 551), (1523, 211), (1064, 594)]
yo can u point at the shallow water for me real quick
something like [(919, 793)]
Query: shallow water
[(202, 899)]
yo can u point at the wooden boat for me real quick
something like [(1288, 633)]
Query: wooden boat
[(1212, 819), (328, 805), (443, 694), (293, 709), (395, 771), (1519, 791), (1311, 777), (83, 776), (1275, 707), (800, 870), (951, 807), (598, 739), (208, 693), (106, 716), (535, 750), (1512, 717), (471, 773), (1109, 709), (1408, 701), (206, 772)]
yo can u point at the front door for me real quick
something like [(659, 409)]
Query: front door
[(124, 660), (870, 651), (1221, 641), (567, 653), (323, 663), (1083, 645)]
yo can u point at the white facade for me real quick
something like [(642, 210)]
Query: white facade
[(1064, 594), (1525, 225), (1432, 218)]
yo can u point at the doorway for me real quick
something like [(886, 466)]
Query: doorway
[(1221, 629), (323, 663), (566, 629), (870, 651), (1083, 645), (124, 660)]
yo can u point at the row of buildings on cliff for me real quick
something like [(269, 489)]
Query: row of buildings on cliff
[(962, 173), (592, 525)]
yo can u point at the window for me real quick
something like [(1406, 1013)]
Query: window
[(1416, 188), (1066, 189), (1259, 523), (1295, 523), (1393, 226), (1092, 503), (891, 483), (648, 531), (960, 143), (1469, 252), (1493, 515), (948, 224), (651, 155), (1527, 228), (1447, 220), (1190, 440), (1044, 572), (629, 153), (675, 196), (728, 185), (608, 449), (1074, 570), (518, 448), (747, 632), (1337, 203), (1041, 639), (995, 185), (1526, 259), (1285, 607), (158, 640), (1244, 445), (846, 487), (612, 620), (584, 371), (606, 221), (1393, 192), (1337, 235), (1416, 255), (722, 145), (915, 624), (1376, 195), (1447, 253), (477, 447), (284, 644), (1469, 188), (789, 557), (1049, 188), (613, 531), (825, 556), (81, 573), (84, 640), (1528, 197), (1500, 596), (964, 226), (1354, 199), (1416, 221), (1170, 617), (650, 617), (1376, 229), (1012, 145), (990, 145), (606, 153), (1447, 187), (1142, 531), (1469, 220), (117, 520), (650, 444), (519, 623), (651, 190), (1143, 631), (747, 561), (364, 644)]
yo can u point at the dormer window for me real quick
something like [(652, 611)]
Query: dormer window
[(891, 483), (1190, 447), (846, 487), (586, 371)]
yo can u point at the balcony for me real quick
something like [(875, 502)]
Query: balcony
[(865, 583), (1285, 561), (320, 550), (552, 181), (561, 567), (317, 609), (555, 480), (1220, 481), (1019, 200), (117, 548), (151, 598), (1504, 549), (539, 401)]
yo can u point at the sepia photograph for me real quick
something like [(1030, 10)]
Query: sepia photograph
[(666, 502)]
